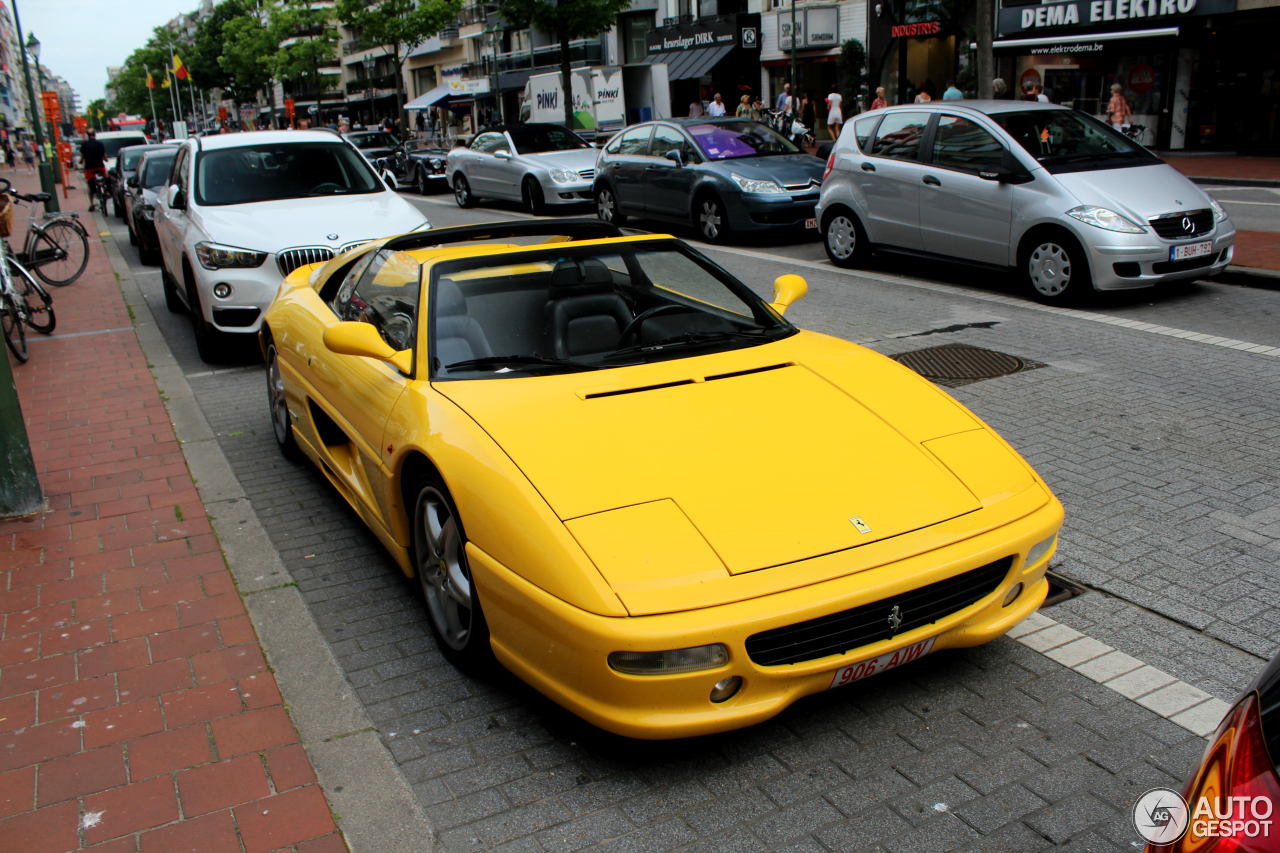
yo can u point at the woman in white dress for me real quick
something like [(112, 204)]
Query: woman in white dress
[(835, 116)]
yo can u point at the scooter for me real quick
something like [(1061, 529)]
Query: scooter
[(802, 135)]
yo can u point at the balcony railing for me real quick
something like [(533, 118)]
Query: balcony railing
[(385, 81), (547, 56)]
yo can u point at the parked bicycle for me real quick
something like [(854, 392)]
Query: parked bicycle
[(57, 245), (23, 301), (1136, 132)]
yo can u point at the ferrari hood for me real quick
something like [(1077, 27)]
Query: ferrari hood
[(770, 465), (272, 226)]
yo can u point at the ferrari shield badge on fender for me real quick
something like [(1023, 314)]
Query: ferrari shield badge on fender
[(862, 526)]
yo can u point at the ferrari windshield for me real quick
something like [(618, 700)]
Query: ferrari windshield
[(536, 138), (732, 140), (278, 170), (588, 308), (1069, 141)]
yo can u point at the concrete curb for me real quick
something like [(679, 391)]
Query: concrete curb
[(376, 808)]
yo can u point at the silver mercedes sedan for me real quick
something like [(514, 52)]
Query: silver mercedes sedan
[(539, 165)]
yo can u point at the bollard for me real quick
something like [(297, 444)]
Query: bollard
[(19, 486)]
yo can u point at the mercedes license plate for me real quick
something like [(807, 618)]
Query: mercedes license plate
[(1190, 250), (890, 660)]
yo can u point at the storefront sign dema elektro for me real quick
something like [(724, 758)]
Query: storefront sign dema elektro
[(718, 31), (815, 27), (1019, 17)]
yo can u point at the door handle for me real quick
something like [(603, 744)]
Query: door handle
[(932, 181), (868, 167)]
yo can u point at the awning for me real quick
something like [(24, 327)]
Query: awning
[(435, 96), (690, 64)]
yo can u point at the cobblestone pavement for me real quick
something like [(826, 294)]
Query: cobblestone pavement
[(1162, 451)]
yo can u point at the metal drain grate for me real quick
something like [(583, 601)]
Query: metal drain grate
[(954, 365)]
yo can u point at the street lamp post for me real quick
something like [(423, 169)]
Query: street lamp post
[(33, 47), (46, 168)]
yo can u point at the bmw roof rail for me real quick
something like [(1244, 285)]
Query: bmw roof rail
[(574, 228)]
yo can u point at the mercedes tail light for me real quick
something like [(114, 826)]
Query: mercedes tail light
[(831, 164)]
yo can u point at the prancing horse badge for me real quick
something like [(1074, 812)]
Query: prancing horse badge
[(862, 526)]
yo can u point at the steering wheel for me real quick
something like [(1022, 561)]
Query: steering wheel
[(326, 187), (632, 329)]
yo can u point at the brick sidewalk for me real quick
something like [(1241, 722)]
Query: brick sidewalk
[(137, 712)]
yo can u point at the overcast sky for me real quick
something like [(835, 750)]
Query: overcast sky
[(80, 38)]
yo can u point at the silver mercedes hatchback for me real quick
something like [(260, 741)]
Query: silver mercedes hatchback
[(1068, 202)]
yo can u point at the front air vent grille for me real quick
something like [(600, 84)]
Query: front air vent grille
[(290, 259), (1181, 226), (841, 632), (638, 390), (748, 371)]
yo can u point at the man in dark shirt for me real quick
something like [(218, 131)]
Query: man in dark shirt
[(93, 156)]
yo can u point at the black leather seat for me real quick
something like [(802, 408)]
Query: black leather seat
[(459, 336), (586, 315)]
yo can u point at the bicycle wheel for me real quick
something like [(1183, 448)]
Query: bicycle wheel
[(15, 332), (57, 251), (39, 303)]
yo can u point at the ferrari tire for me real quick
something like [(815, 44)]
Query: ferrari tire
[(281, 425), (445, 580)]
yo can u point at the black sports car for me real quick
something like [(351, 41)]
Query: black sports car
[(419, 168)]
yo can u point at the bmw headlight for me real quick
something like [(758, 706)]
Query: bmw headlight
[(756, 185), (1108, 220), (564, 176), (214, 256), (1219, 212)]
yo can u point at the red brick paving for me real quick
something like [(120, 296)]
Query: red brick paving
[(137, 714), (1257, 249)]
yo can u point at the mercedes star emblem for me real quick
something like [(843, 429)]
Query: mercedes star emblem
[(1188, 225)]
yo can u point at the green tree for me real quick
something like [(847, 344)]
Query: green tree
[(208, 47), (308, 42), (851, 70), (249, 46), (399, 25), (567, 20)]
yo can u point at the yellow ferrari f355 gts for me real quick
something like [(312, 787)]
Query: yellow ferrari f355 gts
[(620, 472)]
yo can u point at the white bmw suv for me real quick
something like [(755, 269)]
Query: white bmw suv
[(243, 210)]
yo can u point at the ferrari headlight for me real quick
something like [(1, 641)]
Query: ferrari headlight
[(564, 176), (756, 185), (670, 662), (1040, 549), (1108, 220), (214, 256), (1219, 212)]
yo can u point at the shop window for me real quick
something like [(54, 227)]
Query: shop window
[(899, 136), (634, 30), (960, 144)]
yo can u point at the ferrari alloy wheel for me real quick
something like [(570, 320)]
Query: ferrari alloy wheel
[(712, 219), (462, 192), (607, 207), (280, 424), (1055, 269), (440, 562)]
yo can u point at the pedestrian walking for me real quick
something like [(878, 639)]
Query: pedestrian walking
[(1119, 112), (744, 108), (923, 96), (880, 102), (695, 108), (1000, 89), (783, 104), (29, 153), (808, 112), (835, 111), (716, 107), (952, 92)]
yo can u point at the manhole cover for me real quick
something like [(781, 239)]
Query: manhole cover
[(954, 365)]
